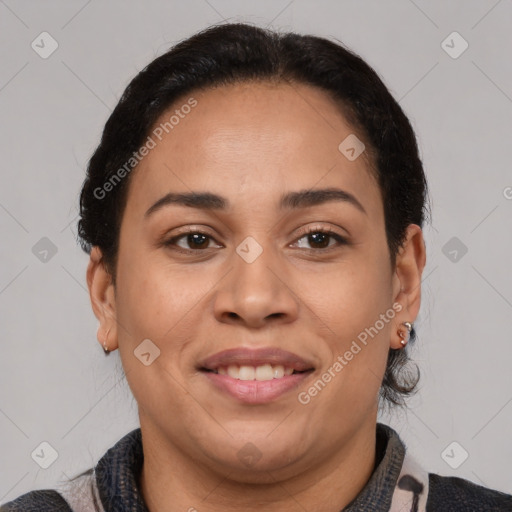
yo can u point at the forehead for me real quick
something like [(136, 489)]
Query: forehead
[(255, 137)]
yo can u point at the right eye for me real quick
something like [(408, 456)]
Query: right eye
[(196, 240)]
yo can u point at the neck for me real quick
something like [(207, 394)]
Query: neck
[(170, 481)]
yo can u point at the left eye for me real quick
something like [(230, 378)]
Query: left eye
[(322, 238)]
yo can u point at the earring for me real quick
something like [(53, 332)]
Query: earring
[(105, 348), (405, 338)]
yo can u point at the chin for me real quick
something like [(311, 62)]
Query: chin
[(252, 463)]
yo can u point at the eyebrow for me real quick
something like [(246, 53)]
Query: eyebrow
[(291, 200)]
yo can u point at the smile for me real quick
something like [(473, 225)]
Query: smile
[(261, 373)]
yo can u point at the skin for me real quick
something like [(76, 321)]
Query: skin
[(250, 143)]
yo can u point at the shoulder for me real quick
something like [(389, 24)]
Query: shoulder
[(454, 494), (46, 500), (115, 476)]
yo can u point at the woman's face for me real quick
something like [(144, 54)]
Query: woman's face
[(252, 289)]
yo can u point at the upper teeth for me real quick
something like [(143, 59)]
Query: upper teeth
[(263, 372)]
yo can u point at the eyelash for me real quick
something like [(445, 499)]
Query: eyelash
[(326, 231)]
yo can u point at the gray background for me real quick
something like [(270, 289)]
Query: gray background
[(55, 383)]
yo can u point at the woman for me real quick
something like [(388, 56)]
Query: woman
[(254, 216)]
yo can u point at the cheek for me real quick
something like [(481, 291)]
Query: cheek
[(357, 312), (153, 297), (351, 296), (155, 304)]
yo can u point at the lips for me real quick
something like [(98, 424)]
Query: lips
[(230, 373), (256, 357)]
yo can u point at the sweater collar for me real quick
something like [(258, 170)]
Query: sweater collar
[(118, 472), (377, 494)]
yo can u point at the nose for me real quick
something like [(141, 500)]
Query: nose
[(256, 292)]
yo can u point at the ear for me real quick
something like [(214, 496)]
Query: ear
[(102, 295), (410, 263)]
